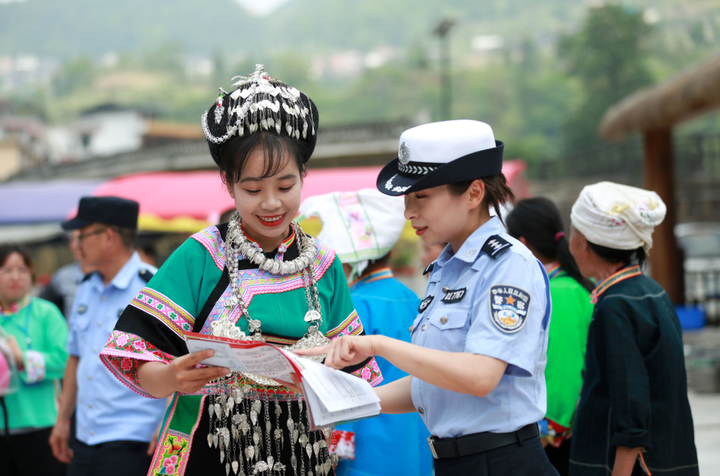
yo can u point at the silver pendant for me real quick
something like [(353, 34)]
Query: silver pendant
[(253, 417), (235, 467), (312, 315), (215, 440), (210, 440), (250, 452), (308, 450), (316, 448), (295, 436)]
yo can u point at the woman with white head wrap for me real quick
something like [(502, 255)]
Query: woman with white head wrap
[(634, 414)]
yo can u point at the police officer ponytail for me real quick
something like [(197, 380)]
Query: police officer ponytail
[(538, 220), (497, 192)]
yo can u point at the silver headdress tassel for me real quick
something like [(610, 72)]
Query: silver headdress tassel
[(260, 103)]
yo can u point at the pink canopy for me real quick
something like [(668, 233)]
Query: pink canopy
[(188, 201)]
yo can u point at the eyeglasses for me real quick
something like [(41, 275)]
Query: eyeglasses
[(82, 236), (20, 270)]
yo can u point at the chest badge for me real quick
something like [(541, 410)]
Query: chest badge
[(454, 295), (82, 309), (509, 307), (425, 303)]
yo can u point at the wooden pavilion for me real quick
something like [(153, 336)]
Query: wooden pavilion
[(654, 112)]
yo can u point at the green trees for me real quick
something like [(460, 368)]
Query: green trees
[(608, 58)]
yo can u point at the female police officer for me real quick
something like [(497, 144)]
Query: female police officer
[(477, 357)]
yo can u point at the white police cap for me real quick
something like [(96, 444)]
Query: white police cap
[(441, 153)]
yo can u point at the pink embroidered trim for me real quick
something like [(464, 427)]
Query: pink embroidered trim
[(34, 366), (164, 309), (351, 326), (212, 241), (253, 282), (122, 353)]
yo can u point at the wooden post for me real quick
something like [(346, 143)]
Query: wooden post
[(665, 257)]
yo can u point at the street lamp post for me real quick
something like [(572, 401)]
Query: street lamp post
[(442, 30)]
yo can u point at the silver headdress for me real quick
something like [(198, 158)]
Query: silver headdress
[(260, 103)]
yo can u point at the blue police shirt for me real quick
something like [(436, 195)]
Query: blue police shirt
[(499, 307), (106, 409), (387, 307)]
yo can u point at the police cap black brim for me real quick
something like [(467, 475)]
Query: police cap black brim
[(473, 166), (75, 224)]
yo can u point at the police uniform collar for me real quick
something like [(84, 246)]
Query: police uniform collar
[(470, 250), (125, 276)]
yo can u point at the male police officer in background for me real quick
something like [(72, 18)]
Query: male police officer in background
[(115, 426)]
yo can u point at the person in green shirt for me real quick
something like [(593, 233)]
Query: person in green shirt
[(537, 223), (38, 336)]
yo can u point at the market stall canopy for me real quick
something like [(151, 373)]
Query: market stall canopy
[(32, 211), (169, 201), (38, 202), (690, 94)]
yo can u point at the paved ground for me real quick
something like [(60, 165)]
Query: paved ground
[(706, 416)]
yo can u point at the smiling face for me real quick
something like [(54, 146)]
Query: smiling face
[(438, 216), (267, 205)]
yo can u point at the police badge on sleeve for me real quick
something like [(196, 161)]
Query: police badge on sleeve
[(509, 307)]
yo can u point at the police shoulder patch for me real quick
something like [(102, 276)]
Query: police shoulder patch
[(425, 303), (509, 307), (495, 246), (145, 275)]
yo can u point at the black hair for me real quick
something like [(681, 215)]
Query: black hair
[(497, 191), (127, 236), (236, 150), (7, 249), (624, 257), (538, 220)]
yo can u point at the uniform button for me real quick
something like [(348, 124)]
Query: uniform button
[(446, 289), (92, 433), (423, 327), (99, 324), (443, 319), (421, 411), (410, 328), (104, 298), (89, 377), (90, 405), (94, 350)]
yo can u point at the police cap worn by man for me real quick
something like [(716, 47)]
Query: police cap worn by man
[(114, 211), (441, 153)]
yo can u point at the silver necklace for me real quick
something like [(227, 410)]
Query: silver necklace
[(236, 245)]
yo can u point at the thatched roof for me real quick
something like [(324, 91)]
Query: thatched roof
[(689, 94)]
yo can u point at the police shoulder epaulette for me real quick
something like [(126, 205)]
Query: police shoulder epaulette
[(87, 276), (145, 275), (495, 246), (429, 268)]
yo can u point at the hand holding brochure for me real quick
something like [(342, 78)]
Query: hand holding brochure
[(332, 396)]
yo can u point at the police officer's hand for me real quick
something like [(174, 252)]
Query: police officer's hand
[(344, 351), (59, 441), (184, 375)]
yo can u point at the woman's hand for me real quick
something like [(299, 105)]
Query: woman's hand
[(295, 386), (181, 375), (344, 351)]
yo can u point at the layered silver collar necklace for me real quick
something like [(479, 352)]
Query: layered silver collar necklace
[(238, 245)]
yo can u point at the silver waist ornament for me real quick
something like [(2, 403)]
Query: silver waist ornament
[(241, 425)]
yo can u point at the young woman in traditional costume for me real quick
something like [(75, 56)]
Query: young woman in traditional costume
[(537, 223), (258, 277)]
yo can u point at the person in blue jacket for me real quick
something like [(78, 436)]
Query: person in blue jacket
[(362, 227), (477, 359)]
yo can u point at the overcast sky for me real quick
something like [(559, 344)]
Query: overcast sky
[(259, 7)]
